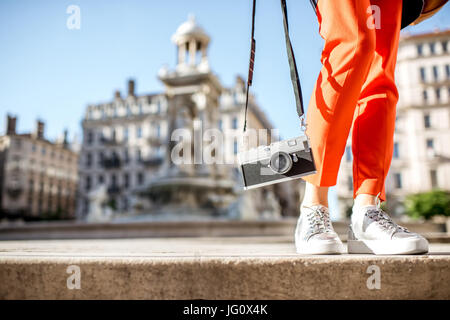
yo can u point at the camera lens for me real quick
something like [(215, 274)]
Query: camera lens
[(281, 162)]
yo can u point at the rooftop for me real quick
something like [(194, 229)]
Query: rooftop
[(190, 28), (406, 36)]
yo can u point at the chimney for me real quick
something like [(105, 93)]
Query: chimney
[(65, 141), (39, 134), (117, 94), (131, 88), (11, 125), (240, 83)]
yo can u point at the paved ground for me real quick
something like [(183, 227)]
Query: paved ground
[(167, 247), (213, 268)]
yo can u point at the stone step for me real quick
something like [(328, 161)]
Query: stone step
[(186, 228), (212, 268)]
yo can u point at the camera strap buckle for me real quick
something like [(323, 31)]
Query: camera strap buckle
[(303, 124)]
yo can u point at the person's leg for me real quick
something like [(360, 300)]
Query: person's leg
[(374, 117), (346, 58), (371, 229), (315, 195)]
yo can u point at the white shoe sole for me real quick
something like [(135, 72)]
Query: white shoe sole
[(320, 247), (404, 246)]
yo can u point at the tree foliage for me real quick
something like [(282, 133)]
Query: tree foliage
[(428, 204)]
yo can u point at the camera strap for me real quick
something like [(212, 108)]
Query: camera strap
[(291, 58)]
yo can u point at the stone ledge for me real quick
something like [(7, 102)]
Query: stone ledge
[(188, 228), (212, 268)]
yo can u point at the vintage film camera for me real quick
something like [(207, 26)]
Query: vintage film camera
[(278, 162)]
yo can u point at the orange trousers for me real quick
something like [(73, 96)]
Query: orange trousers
[(355, 90)]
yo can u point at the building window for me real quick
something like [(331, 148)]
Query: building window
[(113, 181), (101, 137), (33, 147), (348, 153), (101, 158), (17, 143), (398, 180), (430, 143), (138, 155), (140, 108), (435, 73), (420, 50), (427, 121), (126, 156), (432, 48), (425, 96), (444, 46), (125, 203), (139, 132), (125, 134), (234, 123), (235, 147), (423, 75), (126, 180), (86, 205), (140, 178), (438, 94), (88, 183), (43, 150), (220, 125), (158, 106), (129, 113), (100, 179), (396, 151), (158, 130), (30, 194), (88, 159), (433, 179)]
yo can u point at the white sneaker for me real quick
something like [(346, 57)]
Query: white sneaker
[(314, 233), (373, 231)]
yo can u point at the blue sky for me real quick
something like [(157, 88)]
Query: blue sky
[(48, 71)]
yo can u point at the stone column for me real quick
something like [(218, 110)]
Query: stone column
[(204, 56), (171, 124), (192, 52), (181, 54)]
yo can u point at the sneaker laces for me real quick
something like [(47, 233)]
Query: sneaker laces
[(383, 218), (319, 220)]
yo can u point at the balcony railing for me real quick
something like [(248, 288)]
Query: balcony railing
[(114, 189), (109, 141), (111, 163), (153, 161)]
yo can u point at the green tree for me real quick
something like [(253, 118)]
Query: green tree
[(428, 204)]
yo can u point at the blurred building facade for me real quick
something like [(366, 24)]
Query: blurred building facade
[(421, 154), (38, 178), (127, 143)]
